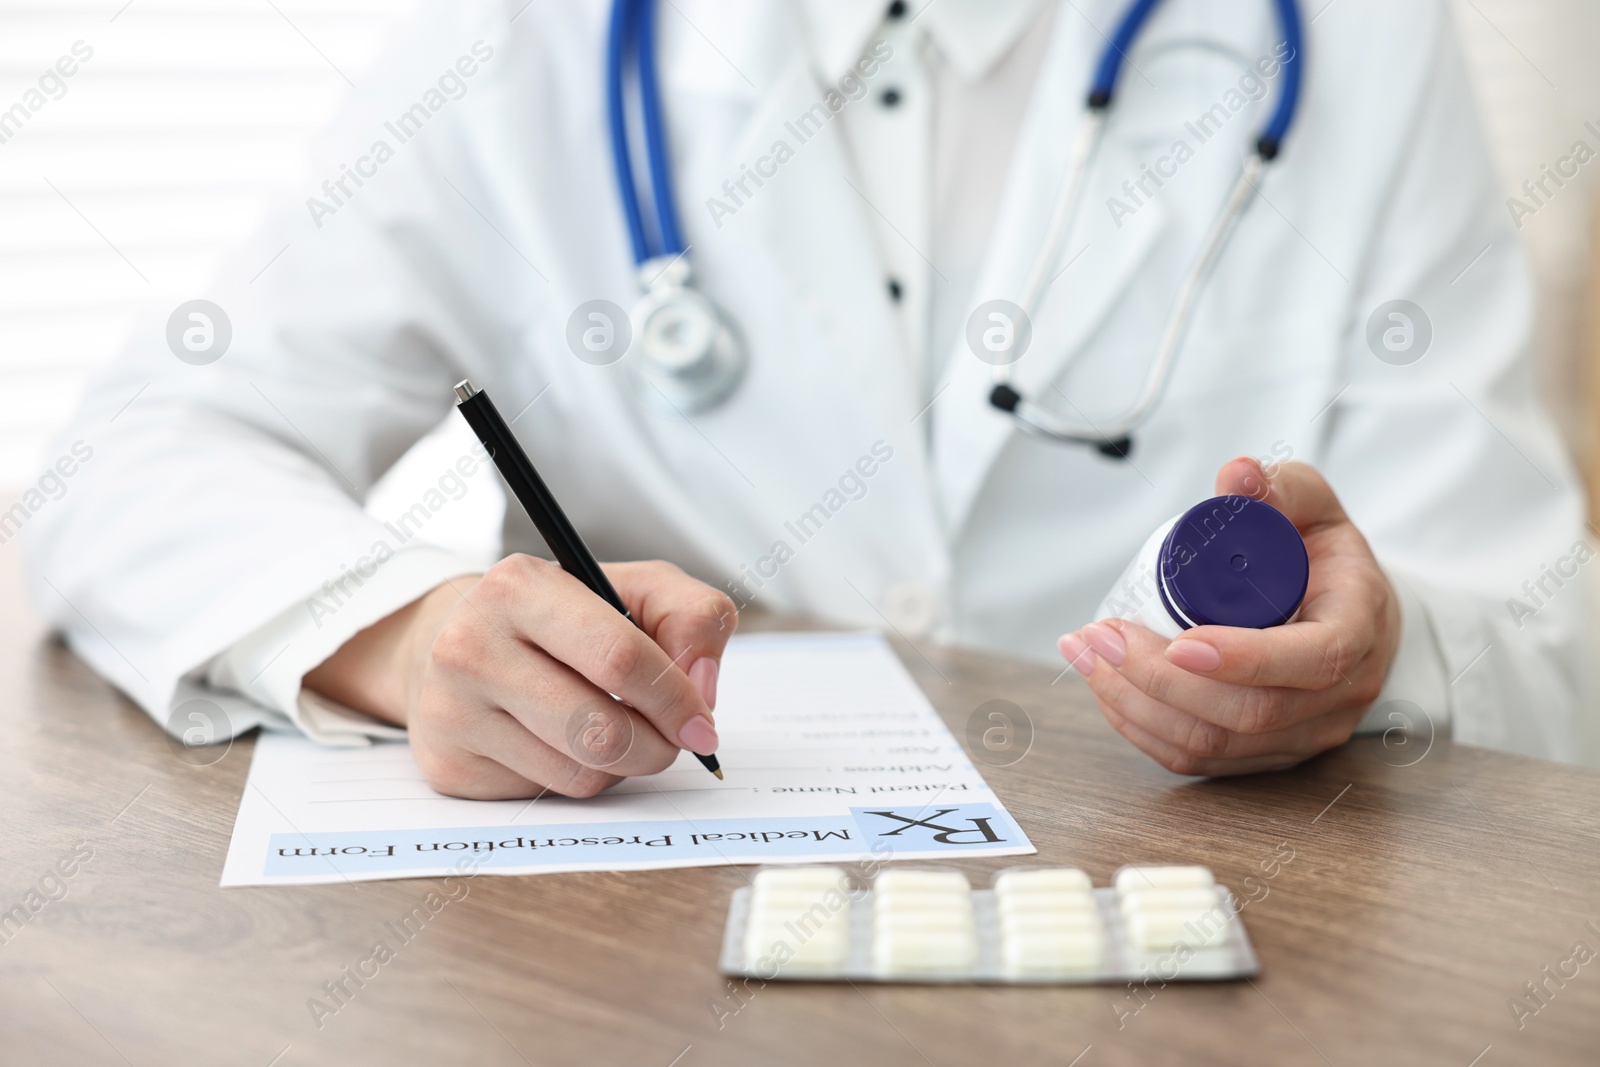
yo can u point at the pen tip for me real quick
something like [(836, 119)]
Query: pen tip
[(718, 773)]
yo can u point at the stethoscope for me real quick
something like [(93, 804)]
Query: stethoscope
[(1114, 439), (690, 357), (689, 352)]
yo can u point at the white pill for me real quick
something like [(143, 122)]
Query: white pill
[(809, 911), (838, 933), (807, 966), (903, 901), (775, 928), (1129, 879), (800, 914), (800, 924), (911, 909), (1042, 879), (1027, 923), (798, 903), (809, 962), (1077, 951), (913, 922), (1195, 900), (1158, 931), (800, 878), (924, 953), (760, 941), (1046, 903), (829, 945), (925, 881), (803, 910)]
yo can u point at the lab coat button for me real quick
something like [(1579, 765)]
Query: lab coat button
[(912, 608)]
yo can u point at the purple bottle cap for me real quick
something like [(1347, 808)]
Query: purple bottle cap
[(1233, 561)]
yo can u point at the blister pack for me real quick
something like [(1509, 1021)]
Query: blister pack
[(1040, 925)]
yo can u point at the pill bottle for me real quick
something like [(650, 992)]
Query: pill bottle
[(1227, 561)]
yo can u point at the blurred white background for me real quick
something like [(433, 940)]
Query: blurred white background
[(167, 144), (191, 115), (126, 187)]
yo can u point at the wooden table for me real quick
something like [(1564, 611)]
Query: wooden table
[(1418, 901)]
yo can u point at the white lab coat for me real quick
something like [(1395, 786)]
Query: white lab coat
[(225, 496)]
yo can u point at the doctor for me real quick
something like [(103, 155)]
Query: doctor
[(853, 183)]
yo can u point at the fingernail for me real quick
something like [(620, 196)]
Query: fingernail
[(703, 673), (698, 735), (1194, 656), (1080, 655), (1107, 642)]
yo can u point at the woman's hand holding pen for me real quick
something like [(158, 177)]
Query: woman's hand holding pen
[(505, 681)]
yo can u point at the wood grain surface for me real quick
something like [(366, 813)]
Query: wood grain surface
[(1427, 885)]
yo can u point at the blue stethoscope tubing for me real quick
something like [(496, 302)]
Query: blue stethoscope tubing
[(633, 26), (1103, 88), (690, 357), (705, 376), (1113, 438)]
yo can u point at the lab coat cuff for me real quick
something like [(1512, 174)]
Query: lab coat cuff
[(1416, 695), (268, 665)]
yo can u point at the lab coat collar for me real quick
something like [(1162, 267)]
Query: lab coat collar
[(971, 35)]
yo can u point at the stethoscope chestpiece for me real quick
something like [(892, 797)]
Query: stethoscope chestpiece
[(689, 357)]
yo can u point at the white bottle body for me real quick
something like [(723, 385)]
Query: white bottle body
[(1136, 597)]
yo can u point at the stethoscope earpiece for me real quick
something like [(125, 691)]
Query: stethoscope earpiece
[(1004, 398), (1118, 448)]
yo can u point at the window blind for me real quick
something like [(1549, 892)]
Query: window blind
[(123, 182)]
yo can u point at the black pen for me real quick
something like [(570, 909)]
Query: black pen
[(536, 499)]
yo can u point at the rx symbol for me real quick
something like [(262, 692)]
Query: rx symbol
[(946, 835)]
